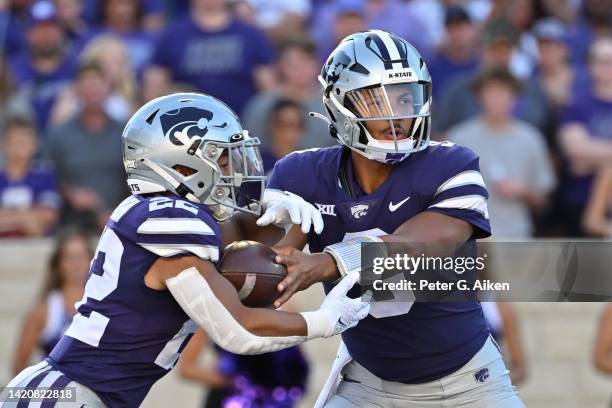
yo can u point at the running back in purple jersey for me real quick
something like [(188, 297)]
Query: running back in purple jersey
[(126, 335), (410, 343)]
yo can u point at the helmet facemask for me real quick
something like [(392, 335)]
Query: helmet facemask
[(392, 119), (236, 169), (239, 181)]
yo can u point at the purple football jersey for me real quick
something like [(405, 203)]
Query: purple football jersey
[(126, 335), (428, 340)]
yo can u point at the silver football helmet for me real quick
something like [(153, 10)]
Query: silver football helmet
[(194, 145), (378, 76)]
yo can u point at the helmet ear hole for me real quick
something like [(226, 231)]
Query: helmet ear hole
[(184, 170)]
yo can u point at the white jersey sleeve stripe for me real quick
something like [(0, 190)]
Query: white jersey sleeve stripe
[(462, 179), (471, 202), (123, 208), (209, 252), (175, 226)]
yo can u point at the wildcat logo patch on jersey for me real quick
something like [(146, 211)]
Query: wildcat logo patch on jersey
[(360, 210)]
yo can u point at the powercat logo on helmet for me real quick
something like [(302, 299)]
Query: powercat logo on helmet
[(190, 121)]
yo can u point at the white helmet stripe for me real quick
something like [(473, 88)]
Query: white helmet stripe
[(391, 48)]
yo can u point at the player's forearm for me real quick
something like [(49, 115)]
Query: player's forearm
[(268, 322), (293, 238), (228, 323)]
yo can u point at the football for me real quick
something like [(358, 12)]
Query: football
[(250, 267)]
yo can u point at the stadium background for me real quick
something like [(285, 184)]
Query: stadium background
[(72, 72)]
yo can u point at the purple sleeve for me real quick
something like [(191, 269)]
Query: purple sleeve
[(460, 192), (171, 226), (276, 181)]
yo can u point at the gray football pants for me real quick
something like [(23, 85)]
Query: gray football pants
[(484, 382), (44, 375)]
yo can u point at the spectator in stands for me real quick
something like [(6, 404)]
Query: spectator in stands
[(13, 21), (280, 19), (349, 16), (597, 219), (585, 135), (69, 14), (458, 53), (52, 313), (271, 380), (390, 15), (521, 14), (458, 103), (217, 54), (558, 78), (298, 69), (44, 67), (124, 19), (86, 152), (111, 54), (6, 88), (286, 131), (514, 161), (28, 195), (595, 21), (150, 13)]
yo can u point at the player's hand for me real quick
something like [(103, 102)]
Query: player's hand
[(284, 209), (343, 312), (302, 271)]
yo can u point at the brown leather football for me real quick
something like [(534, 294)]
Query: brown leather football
[(250, 267)]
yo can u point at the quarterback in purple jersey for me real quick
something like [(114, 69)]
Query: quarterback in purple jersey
[(387, 182), (190, 165)]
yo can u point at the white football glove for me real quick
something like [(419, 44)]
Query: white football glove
[(338, 312), (284, 209)]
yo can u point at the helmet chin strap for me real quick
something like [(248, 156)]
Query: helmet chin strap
[(169, 179)]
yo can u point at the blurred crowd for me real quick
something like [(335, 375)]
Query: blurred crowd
[(527, 84)]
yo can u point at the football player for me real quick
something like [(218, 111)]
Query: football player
[(387, 182), (153, 279)]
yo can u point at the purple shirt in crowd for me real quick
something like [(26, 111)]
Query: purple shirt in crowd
[(36, 189), (596, 115), (218, 63), (41, 89)]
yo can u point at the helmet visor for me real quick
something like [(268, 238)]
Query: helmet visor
[(402, 100)]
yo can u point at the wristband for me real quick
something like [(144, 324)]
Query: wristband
[(317, 324), (348, 254)]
